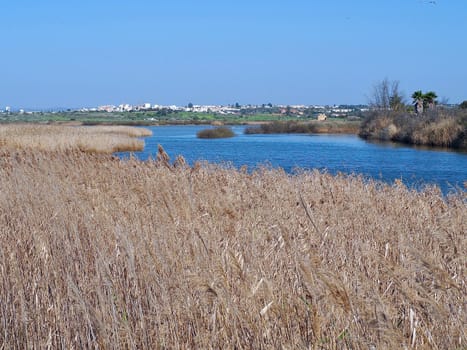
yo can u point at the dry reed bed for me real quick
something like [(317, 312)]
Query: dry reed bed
[(439, 127), (98, 252), (96, 139)]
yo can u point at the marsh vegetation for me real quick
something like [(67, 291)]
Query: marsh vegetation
[(422, 123), (307, 127), (219, 132), (97, 139), (440, 128), (98, 252)]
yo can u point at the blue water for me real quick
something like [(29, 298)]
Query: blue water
[(335, 153)]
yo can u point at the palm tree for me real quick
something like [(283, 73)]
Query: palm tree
[(429, 99), (418, 99)]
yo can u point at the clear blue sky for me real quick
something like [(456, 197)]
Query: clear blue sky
[(91, 52)]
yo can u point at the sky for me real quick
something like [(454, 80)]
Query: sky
[(85, 53)]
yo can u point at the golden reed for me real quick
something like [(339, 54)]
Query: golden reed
[(96, 252)]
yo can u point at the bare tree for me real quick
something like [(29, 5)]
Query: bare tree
[(387, 96)]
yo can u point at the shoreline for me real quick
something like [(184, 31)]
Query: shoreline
[(328, 127)]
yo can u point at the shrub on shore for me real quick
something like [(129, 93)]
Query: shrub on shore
[(441, 128), (215, 133), (96, 252)]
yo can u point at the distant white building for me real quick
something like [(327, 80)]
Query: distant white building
[(125, 107), (106, 108)]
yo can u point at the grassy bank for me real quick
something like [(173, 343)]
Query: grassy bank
[(100, 139), (147, 118), (441, 128), (99, 252), (136, 118), (308, 127)]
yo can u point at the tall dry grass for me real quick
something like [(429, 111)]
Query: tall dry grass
[(96, 252), (439, 127), (96, 139)]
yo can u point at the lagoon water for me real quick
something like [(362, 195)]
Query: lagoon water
[(416, 167)]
